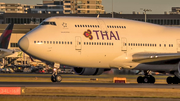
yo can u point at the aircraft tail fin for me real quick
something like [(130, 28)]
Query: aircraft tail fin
[(5, 37)]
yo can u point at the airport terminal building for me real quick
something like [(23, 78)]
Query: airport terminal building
[(31, 18)]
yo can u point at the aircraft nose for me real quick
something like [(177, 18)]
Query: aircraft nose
[(23, 43)]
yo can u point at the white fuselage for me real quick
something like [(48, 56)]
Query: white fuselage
[(98, 42)]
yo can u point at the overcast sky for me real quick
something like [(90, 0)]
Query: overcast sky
[(124, 6)]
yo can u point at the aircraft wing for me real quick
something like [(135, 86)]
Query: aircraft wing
[(156, 58), (5, 52)]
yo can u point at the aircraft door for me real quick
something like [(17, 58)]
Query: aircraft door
[(78, 43), (123, 44), (102, 25), (178, 45)]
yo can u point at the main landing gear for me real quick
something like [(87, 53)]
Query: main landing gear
[(146, 79), (173, 80)]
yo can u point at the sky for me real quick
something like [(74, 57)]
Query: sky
[(124, 6)]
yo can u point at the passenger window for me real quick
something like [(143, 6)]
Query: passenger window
[(56, 42), (89, 43), (44, 42), (53, 42), (94, 43), (71, 42), (47, 42), (62, 42), (68, 42), (34, 41), (65, 42), (59, 42), (99, 43)]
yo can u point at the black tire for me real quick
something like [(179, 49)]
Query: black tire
[(175, 80), (169, 80), (58, 78), (140, 79), (53, 79), (152, 79)]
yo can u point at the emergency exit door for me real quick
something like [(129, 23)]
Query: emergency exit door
[(178, 45), (78, 43), (123, 44)]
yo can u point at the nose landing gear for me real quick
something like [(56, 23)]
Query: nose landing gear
[(55, 77)]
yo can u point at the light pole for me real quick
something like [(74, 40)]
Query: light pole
[(112, 10), (146, 10)]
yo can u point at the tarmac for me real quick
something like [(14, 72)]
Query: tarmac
[(75, 84)]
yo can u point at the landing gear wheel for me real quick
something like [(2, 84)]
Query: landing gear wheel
[(58, 78), (146, 79), (140, 79), (175, 80), (53, 79), (152, 79), (169, 80)]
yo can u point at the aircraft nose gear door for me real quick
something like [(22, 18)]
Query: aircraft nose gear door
[(78, 43), (123, 44), (178, 45)]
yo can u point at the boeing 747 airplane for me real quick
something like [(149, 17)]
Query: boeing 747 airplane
[(94, 45)]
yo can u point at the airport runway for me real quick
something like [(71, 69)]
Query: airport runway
[(64, 84)]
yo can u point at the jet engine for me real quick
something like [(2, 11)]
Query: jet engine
[(89, 71)]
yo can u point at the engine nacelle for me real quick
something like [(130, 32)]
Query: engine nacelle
[(89, 71)]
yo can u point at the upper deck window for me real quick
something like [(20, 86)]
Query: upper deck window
[(48, 23)]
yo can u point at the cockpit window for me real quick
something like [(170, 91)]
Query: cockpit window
[(48, 23)]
